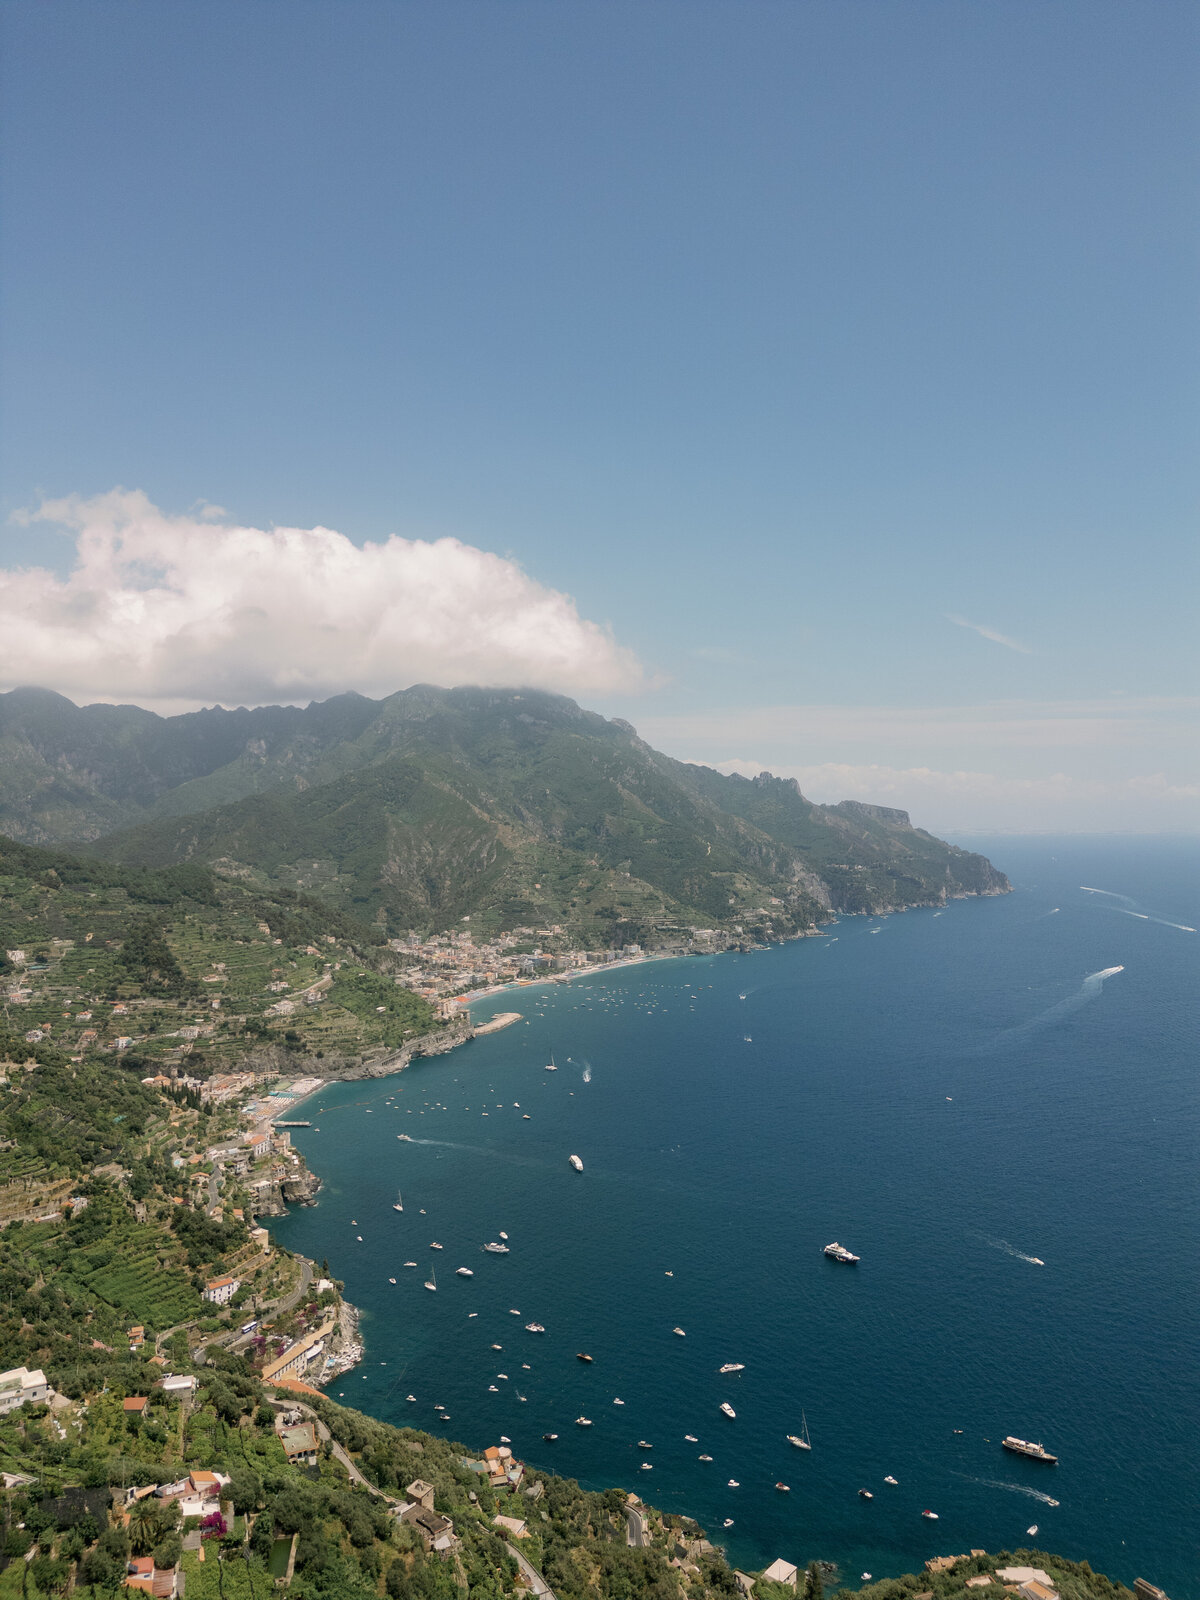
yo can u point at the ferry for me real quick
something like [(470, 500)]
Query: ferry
[(838, 1252), (1023, 1447), (733, 1366), (727, 1409), (576, 1163), (497, 1249)]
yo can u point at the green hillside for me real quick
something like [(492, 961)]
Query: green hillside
[(515, 807)]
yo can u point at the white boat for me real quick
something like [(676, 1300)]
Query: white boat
[(1032, 1530), (680, 1332), (733, 1366), (644, 1444), (838, 1252), (618, 1402), (436, 1246), (398, 1202), (550, 1067), (576, 1163), (496, 1249), (410, 1263), (431, 1281), (728, 1523), (412, 1398), (703, 1458), (932, 1515), (802, 1440), (583, 1422), (727, 1409), (691, 1438), (513, 1312), (534, 1327), (492, 1389), (890, 1479), (503, 1235), (733, 1484), (358, 1236), (391, 1280), (646, 1467), (464, 1272)]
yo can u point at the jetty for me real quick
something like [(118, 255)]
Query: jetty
[(292, 1124), (502, 1019)]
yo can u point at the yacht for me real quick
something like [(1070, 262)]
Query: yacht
[(411, 1398), (496, 1249), (802, 1440), (436, 1246), (890, 1479), (398, 1202), (534, 1327), (784, 1488), (581, 1356), (464, 1272), (838, 1252), (1023, 1447), (583, 1422), (727, 1409), (680, 1332), (549, 1437), (576, 1163), (866, 1494), (733, 1366), (932, 1515), (431, 1281), (691, 1438), (703, 1458), (550, 1067), (410, 1263)]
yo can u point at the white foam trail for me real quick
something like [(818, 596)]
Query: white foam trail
[(1090, 989), (1143, 916), (587, 1074), (1011, 1250), (1017, 1488)]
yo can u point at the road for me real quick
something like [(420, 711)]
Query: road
[(531, 1575), (635, 1527), (288, 1403)]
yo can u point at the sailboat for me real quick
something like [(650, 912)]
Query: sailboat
[(803, 1442), (431, 1281), (398, 1203), (550, 1067)]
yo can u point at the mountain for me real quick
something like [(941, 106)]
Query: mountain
[(513, 807)]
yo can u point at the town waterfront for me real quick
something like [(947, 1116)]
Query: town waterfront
[(951, 1094)]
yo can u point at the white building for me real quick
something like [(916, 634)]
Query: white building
[(221, 1290), (19, 1387)]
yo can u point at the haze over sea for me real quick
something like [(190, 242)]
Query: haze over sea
[(948, 1093)]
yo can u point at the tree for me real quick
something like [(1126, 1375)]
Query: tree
[(168, 1551), (245, 1490), (50, 1574), (814, 1589), (100, 1570)]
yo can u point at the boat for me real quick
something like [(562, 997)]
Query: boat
[(391, 1280), (464, 1272), (727, 1409), (525, 1117), (549, 1437), (496, 1249), (497, 1347), (583, 1422), (358, 1236), (1032, 1530), (503, 1235), (534, 1327), (407, 1137), (680, 1332), (646, 1467), (431, 1281), (691, 1438), (513, 1312), (866, 1494), (733, 1484), (576, 1163), (932, 1515), (733, 1366), (436, 1246), (550, 1067), (801, 1440), (784, 1488), (1036, 1261), (644, 1444), (668, 1274), (703, 1458), (741, 997), (492, 1389), (410, 1263), (581, 1356), (1023, 1447), (838, 1252), (728, 1523), (890, 1479), (398, 1202), (411, 1398)]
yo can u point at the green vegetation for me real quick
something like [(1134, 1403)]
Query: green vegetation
[(518, 809)]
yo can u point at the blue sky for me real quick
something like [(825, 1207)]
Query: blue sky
[(774, 335)]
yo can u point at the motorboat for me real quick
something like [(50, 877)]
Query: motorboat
[(391, 1280), (680, 1332), (497, 1347), (838, 1252), (492, 1389), (784, 1488), (411, 1398), (703, 1458), (576, 1163), (644, 1444), (583, 1422), (866, 1494), (581, 1355), (1032, 1530), (549, 1437), (534, 1327), (646, 1467), (733, 1366), (932, 1515), (496, 1249), (503, 1235), (436, 1246), (691, 1438), (463, 1272), (727, 1409), (618, 1402), (890, 1479), (728, 1523), (733, 1484), (410, 1263)]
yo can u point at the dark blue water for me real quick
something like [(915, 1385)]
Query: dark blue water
[(948, 1094)]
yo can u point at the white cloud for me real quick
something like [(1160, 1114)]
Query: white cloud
[(990, 633), (161, 609)]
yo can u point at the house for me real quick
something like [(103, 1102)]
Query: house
[(504, 1472), (420, 1493), (300, 1444), (515, 1527), (781, 1572), (180, 1383), (298, 1355), (135, 1404), (436, 1532), (137, 1338), (20, 1386), (165, 1583), (1036, 1590), (262, 1239), (221, 1290)]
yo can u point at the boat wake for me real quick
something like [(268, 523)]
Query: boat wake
[(1011, 1250), (1131, 908), (1090, 990), (587, 1074), (1017, 1488)]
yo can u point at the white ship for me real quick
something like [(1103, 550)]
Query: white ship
[(838, 1252)]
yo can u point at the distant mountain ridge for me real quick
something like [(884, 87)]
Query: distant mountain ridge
[(515, 807)]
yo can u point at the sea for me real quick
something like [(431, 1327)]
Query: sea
[(993, 1104)]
